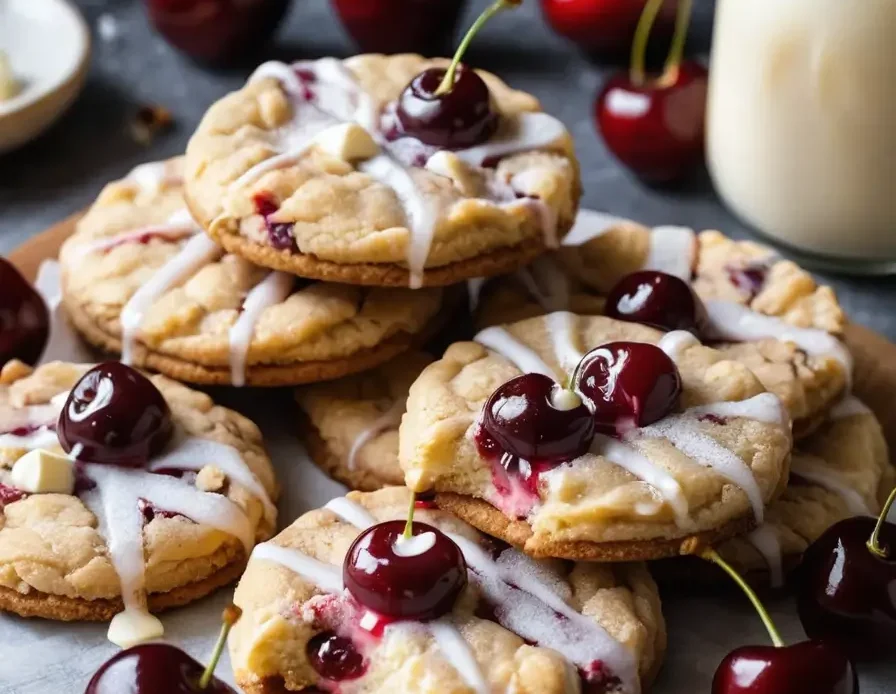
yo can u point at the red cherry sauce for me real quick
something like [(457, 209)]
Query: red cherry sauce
[(10, 495), (280, 234)]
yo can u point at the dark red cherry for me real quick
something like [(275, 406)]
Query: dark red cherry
[(422, 585), (24, 319), (810, 667), (153, 668), (334, 657), (114, 415), (10, 495), (523, 419), (845, 590), (280, 233), (400, 26), (655, 298), (462, 117), (628, 384), (655, 128)]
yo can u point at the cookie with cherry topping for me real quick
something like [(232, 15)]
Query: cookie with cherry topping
[(518, 625), (189, 515), (708, 467), (140, 279), (306, 170), (350, 426)]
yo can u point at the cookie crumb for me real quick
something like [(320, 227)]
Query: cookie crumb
[(150, 120)]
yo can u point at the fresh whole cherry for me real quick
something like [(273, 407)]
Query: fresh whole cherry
[(160, 668), (24, 319), (451, 107), (114, 415), (400, 26), (846, 584), (416, 575), (655, 126), (627, 384), (534, 419), (655, 298), (603, 26), (216, 31)]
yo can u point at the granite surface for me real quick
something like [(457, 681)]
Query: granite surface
[(63, 170)]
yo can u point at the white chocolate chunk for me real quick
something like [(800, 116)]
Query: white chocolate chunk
[(348, 141), (131, 627), (43, 472)]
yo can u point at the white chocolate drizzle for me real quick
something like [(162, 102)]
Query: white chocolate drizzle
[(196, 253), (765, 407), (546, 283), (525, 359), (676, 342), (390, 419), (589, 225), (325, 576), (522, 132), (272, 290), (458, 652), (765, 540), (560, 326), (673, 250), (151, 176), (815, 470), (178, 226)]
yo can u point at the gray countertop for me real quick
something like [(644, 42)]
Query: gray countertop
[(63, 170)]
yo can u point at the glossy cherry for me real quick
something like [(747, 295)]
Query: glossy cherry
[(335, 657), (627, 384), (280, 234), (845, 584), (400, 26), (160, 668), (655, 298), (603, 26), (24, 319), (422, 584), (655, 126), (523, 418), (114, 415), (451, 107), (216, 31)]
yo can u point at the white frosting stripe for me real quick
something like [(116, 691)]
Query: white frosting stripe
[(390, 419), (170, 231), (197, 252), (674, 343), (765, 407), (547, 283), (560, 326), (272, 290), (458, 652), (522, 132), (589, 225), (765, 540), (525, 359), (325, 576), (351, 512), (673, 250), (816, 471)]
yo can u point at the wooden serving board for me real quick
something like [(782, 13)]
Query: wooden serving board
[(875, 356)]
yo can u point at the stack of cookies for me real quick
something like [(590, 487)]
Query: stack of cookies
[(625, 391)]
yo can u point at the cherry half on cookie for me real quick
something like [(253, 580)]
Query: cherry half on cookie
[(405, 570), (114, 415), (655, 126), (335, 657), (160, 668), (24, 319), (627, 385), (845, 586), (450, 108), (657, 299)]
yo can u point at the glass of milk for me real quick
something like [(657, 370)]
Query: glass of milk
[(801, 125)]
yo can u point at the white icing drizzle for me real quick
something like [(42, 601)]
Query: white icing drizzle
[(525, 359), (547, 283), (40, 438), (589, 225), (149, 177), (194, 453), (673, 250), (765, 540), (278, 161), (174, 229), (674, 343), (197, 252), (272, 290), (765, 407), (729, 320), (390, 419), (631, 460), (325, 576), (560, 326), (850, 406), (682, 432), (815, 470), (351, 512), (459, 654), (521, 132)]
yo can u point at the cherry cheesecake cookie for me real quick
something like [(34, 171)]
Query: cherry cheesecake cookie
[(324, 169), (142, 280), (354, 598), (584, 437), (122, 495)]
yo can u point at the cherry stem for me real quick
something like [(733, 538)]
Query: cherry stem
[(874, 543), (637, 74), (409, 526), (676, 51), (712, 556), (231, 615), (447, 82)]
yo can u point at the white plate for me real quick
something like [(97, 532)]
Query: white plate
[(48, 46)]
